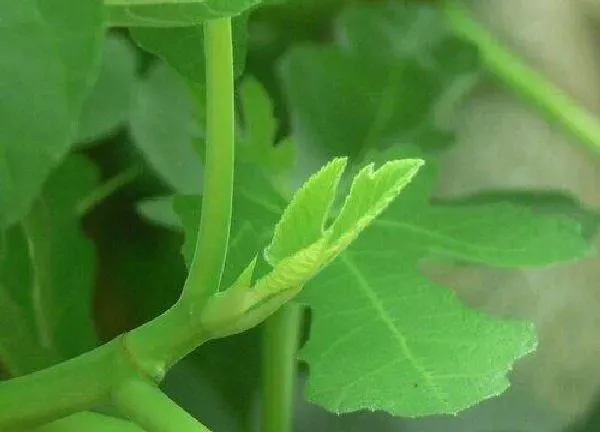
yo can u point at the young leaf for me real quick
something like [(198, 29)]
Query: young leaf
[(394, 76), (256, 208), (301, 246), (109, 103), (172, 13), (425, 352), (303, 222), (371, 192), (47, 276), (164, 127), (50, 55)]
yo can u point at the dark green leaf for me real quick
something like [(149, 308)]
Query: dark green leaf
[(47, 276), (408, 346), (49, 58)]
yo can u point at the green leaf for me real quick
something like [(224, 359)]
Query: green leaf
[(172, 13), (164, 127), (260, 127), (547, 202), (370, 194), (499, 234), (50, 55), (408, 346), (47, 277), (108, 105), (303, 221), (394, 78), (183, 48), (301, 246), (385, 338)]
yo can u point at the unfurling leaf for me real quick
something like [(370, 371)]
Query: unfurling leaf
[(302, 245)]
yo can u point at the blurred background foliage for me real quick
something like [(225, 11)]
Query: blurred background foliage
[(140, 106)]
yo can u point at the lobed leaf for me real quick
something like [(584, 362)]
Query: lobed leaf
[(49, 59), (385, 338), (425, 352)]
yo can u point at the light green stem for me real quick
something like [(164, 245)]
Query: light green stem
[(213, 236), (523, 80), (43, 396), (280, 348), (145, 404)]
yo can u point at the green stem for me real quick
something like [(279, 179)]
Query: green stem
[(280, 346), (145, 404), (211, 245), (522, 79), (41, 397)]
